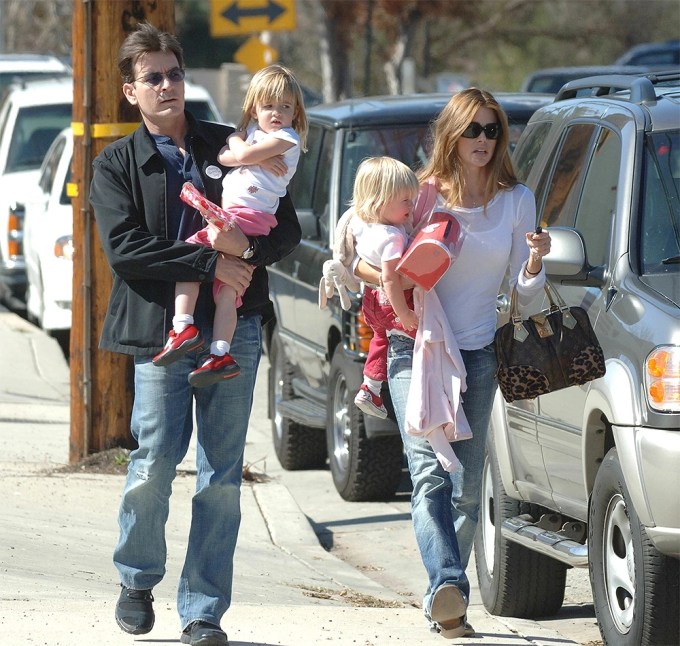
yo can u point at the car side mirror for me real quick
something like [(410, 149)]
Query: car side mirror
[(567, 261)]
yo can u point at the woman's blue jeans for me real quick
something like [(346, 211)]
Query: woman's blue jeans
[(162, 423), (445, 506)]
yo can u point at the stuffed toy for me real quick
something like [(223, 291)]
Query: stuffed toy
[(337, 272)]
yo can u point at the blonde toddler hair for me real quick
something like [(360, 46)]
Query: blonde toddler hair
[(276, 82), (379, 180)]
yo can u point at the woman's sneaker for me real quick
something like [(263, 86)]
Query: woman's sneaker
[(369, 403), (179, 344)]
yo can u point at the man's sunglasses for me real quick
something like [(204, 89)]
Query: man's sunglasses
[(155, 79), (491, 130)]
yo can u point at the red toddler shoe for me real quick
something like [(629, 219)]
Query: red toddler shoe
[(179, 344), (213, 370)]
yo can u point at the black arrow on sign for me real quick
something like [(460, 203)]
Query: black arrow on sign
[(272, 11)]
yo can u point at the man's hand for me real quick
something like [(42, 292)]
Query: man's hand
[(234, 272), (229, 241)]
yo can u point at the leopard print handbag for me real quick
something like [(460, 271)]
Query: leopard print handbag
[(548, 351)]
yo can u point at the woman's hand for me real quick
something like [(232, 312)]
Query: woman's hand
[(539, 246), (230, 241)]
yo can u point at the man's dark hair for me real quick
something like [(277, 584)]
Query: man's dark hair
[(145, 39)]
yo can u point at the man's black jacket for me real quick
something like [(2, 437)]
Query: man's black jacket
[(128, 196)]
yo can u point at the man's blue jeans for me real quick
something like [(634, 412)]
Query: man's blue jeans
[(445, 506), (162, 423)]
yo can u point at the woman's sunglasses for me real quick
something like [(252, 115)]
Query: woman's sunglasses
[(491, 130), (175, 75)]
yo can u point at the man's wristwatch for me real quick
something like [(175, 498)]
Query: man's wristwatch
[(248, 253)]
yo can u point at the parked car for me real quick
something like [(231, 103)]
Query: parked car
[(653, 54), (31, 116), (317, 356), (588, 476), (48, 240), (30, 119), (27, 67), (551, 79)]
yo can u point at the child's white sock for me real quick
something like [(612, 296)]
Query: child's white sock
[(374, 385), (181, 321), (219, 348)]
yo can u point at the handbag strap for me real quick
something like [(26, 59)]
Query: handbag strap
[(556, 301)]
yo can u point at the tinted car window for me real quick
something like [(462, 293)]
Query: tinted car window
[(598, 199), (321, 200), (50, 167), (525, 158), (301, 186), (567, 179), (410, 144), (660, 213), (201, 110), (34, 131)]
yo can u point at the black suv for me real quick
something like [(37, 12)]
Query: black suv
[(317, 356)]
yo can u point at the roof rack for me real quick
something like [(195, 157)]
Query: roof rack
[(641, 86)]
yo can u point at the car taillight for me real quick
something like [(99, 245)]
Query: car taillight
[(63, 248), (15, 232), (364, 333), (662, 378)]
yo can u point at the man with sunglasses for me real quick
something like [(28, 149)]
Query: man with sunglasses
[(143, 225)]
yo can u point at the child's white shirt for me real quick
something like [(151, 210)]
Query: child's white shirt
[(252, 187)]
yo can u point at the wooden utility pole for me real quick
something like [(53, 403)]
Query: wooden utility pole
[(101, 382)]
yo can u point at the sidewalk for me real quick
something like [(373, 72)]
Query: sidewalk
[(59, 586)]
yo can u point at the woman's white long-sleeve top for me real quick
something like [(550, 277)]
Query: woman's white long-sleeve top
[(494, 240)]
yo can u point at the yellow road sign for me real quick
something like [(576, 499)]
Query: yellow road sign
[(237, 17), (255, 55)]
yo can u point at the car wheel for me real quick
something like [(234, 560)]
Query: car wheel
[(362, 468), (514, 581), (635, 587), (296, 446)]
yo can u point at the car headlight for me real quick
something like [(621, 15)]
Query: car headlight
[(63, 247), (662, 378)]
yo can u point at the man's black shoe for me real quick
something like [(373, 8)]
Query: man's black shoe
[(134, 611), (201, 633)]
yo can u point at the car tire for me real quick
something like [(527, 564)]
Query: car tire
[(297, 446), (362, 468), (514, 581), (635, 587)]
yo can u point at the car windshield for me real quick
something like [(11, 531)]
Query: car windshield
[(35, 129), (201, 110), (660, 205), (409, 144)]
